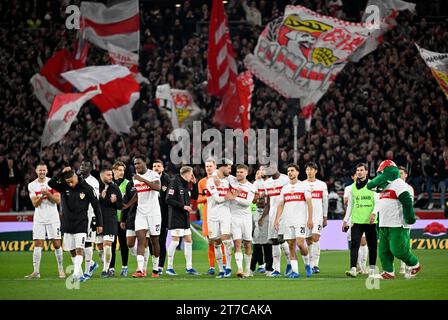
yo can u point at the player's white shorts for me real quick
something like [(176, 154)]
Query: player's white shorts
[(242, 227), (216, 228), (260, 232), (317, 228), (74, 241), (130, 233), (106, 237), (272, 233), (150, 223), (294, 232), (52, 230), (180, 232)]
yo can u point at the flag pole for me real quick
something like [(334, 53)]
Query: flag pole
[(296, 127)]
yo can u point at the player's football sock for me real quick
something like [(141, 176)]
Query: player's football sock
[(218, 255), (276, 257), (37, 254), (247, 261), (211, 255), (88, 254), (223, 250), (239, 261), (316, 254), (78, 265), (228, 253), (311, 254), (146, 256), (140, 262), (107, 258), (171, 252), (101, 254), (133, 250), (155, 264), (188, 251), (306, 259), (365, 255), (285, 248), (295, 266), (59, 259)]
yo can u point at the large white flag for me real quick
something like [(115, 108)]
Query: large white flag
[(63, 112), (118, 24), (388, 11), (180, 105), (119, 90), (438, 63)]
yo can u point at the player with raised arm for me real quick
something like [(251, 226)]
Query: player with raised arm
[(219, 218), (76, 196), (46, 219), (319, 193), (148, 218), (274, 187), (295, 208), (242, 218)]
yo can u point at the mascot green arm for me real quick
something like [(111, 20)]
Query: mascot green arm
[(380, 182), (408, 207)]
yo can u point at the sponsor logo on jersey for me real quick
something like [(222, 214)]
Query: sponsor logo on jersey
[(388, 194), (318, 194), (295, 196), (273, 192), (142, 187)]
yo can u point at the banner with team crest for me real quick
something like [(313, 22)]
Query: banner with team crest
[(438, 63), (301, 53)]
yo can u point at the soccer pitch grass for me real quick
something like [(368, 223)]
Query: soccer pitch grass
[(431, 283)]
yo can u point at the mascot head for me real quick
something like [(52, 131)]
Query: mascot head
[(387, 172)]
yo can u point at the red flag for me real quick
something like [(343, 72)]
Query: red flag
[(234, 112), (48, 82), (222, 69)]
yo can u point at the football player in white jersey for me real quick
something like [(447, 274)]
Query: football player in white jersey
[(148, 219), (219, 218), (319, 193), (46, 221), (404, 176), (274, 187), (295, 208), (241, 227), (90, 265)]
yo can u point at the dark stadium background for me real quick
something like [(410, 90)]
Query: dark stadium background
[(386, 106)]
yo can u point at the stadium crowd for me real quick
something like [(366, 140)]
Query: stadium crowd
[(386, 106)]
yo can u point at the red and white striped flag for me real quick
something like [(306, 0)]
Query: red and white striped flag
[(127, 59), (222, 68), (119, 90), (118, 24), (48, 82), (63, 112)]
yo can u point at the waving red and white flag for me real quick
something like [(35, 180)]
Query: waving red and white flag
[(127, 59), (222, 68), (118, 24), (63, 112), (48, 82), (119, 92)]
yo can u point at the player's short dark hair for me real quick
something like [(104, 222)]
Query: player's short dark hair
[(41, 163), (312, 165), (293, 165), (141, 157), (68, 174), (359, 165), (242, 166), (105, 169), (158, 161), (403, 168), (118, 164), (88, 161)]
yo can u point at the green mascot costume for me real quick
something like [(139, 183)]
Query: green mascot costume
[(396, 212)]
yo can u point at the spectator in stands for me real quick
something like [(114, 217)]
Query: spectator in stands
[(442, 172), (253, 15), (428, 175)]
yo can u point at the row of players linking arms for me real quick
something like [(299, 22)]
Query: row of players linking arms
[(276, 212)]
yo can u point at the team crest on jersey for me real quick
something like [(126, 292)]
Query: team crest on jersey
[(82, 195)]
